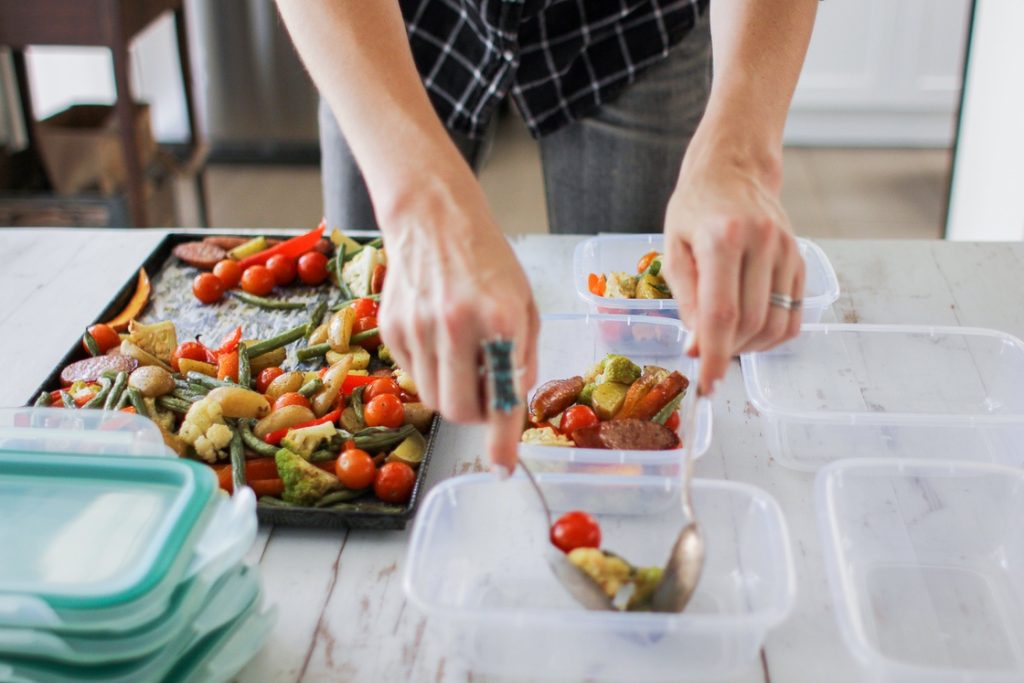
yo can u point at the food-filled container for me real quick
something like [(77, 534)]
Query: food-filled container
[(476, 568), (845, 391), (612, 253), (926, 567), (570, 344)]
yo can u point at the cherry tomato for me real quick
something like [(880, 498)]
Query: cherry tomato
[(645, 261), (576, 529), (377, 278), (355, 469), (364, 307), (385, 410), (379, 387), (258, 280), (394, 482), (229, 272), (192, 350), (673, 421), (313, 268), (283, 269), (266, 376), (363, 324), (106, 337), (208, 288), (577, 417), (291, 398)]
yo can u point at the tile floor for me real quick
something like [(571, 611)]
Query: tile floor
[(839, 193)]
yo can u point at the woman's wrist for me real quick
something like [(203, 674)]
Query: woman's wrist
[(726, 138)]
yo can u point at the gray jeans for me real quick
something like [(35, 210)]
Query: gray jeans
[(612, 171)]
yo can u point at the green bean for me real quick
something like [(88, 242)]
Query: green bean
[(269, 304), (244, 367), (43, 401), (90, 344), (376, 243), (661, 417), (184, 395), (316, 317), (348, 302), (323, 455), (343, 290), (270, 501), (237, 460), (135, 398), (66, 399), (357, 404), (382, 440), (206, 381), (120, 381), (311, 387), (283, 339), (310, 352), (175, 405), (123, 400), (101, 395), (253, 442), (340, 497), (182, 384), (349, 255), (364, 335)]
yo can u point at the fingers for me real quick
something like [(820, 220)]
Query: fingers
[(718, 301), (797, 292), (779, 320), (681, 275), (503, 434), (458, 375), (759, 263)]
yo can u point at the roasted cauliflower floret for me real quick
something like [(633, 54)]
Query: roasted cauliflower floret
[(546, 436), (405, 381), (629, 587), (621, 286), (205, 430)]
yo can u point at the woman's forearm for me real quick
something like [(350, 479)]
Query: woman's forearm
[(359, 57)]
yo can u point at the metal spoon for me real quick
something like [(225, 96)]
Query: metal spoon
[(579, 585), (682, 573)]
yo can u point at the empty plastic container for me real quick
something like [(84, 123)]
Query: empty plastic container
[(926, 567), (475, 568), (842, 391), (614, 253), (571, 344), (95, 432)]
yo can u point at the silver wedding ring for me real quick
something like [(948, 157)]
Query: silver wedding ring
[(784, 301), (500, 374)]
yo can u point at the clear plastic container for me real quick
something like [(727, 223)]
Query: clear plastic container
[(572, 344), (96, 542), (94, 432), (476, 569), (843, 391), (608, 253), (926, 567)]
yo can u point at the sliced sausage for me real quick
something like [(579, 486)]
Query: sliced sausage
[(324, 246), (90, 369), (636, 435), (555, 396), (201, 255), (226, 242), (659, 396)]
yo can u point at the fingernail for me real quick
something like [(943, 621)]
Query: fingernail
[(691, 343), (500, 472)]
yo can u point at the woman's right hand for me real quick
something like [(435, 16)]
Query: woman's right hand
[(453, 283)]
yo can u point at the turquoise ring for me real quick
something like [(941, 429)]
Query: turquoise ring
[(501, 375)]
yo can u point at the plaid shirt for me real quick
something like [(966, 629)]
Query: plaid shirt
[(560, 59)]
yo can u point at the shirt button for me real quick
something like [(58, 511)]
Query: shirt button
[(508, 55)]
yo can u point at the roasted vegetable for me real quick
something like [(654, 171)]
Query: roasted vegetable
[(360, 357), (206, 431), (660, 395), (283, 418), (158, 339), (133, 350), (652, 287), (152, 381), (410, 451), (419, 415), (304, 482), (187, 365), (339, 329), (240, 402), (619, 369), (545, 436), (308, 439), (135, 305), (607, 399), (652, 374), (621, 286), (358, 273), (285, 384), (629, 587)]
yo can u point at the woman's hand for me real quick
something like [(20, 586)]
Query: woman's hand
[(728, 246), (454, 282)]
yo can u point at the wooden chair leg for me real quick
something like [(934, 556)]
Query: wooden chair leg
[(181, 29), (125, 109)]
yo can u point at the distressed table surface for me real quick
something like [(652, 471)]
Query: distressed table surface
[(342, 614)]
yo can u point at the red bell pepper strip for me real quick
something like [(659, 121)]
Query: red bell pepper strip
[(352, 382), (293, 248), (274, 438), (230, 342)]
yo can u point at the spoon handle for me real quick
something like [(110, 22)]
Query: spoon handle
[(540, 493)]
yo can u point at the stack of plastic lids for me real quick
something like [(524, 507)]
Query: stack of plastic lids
[(117, 568)]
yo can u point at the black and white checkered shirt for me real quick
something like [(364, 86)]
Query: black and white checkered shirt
[(560, 59)]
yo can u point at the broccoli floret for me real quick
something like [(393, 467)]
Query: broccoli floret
[(304, 483), (618, 369), (306, 440), (629, 587)]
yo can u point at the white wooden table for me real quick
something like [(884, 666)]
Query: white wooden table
[(342, 614)]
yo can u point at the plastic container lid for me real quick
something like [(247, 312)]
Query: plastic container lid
[(844, 391), (96, 542), (608, 253), (475, 567), (926, 567), (223, 545), (572, 344), (95, 432)]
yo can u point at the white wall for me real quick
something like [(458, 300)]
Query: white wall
[(881, 72), (987, 201)]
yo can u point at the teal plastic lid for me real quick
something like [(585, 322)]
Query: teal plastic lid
[(86, 532)]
